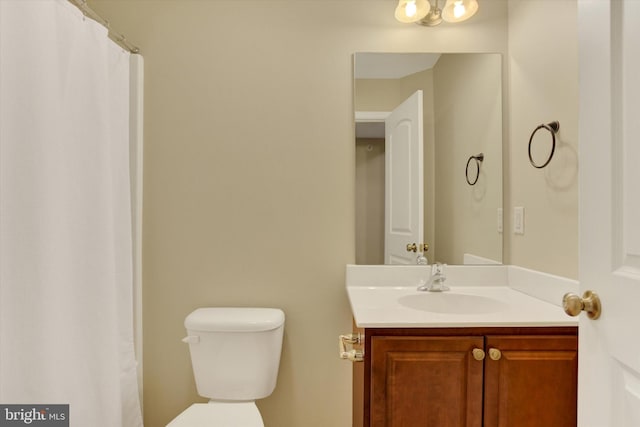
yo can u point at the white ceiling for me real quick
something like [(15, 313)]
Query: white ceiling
[(376, 65)]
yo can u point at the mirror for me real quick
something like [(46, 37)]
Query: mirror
[(462, 151)]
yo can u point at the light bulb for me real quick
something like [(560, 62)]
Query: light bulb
[(409, 11), (459, 10)]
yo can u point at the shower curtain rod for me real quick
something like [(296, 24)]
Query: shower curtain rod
[(113, 35)]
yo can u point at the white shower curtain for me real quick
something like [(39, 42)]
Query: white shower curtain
[(66, 326)]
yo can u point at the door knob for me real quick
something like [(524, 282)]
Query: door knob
[(422, 247), (590, 302)]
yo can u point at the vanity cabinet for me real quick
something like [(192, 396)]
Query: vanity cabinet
[(467, 377)]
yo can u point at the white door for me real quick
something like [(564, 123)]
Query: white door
[(403, 214), (609, 361)]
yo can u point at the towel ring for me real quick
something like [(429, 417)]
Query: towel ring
[(479, 159), (553, 128)]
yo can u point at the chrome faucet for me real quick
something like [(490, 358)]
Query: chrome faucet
[(436, 281)]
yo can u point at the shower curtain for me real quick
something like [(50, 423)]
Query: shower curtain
[(66, 323)]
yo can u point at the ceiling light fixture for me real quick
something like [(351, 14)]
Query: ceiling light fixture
[(409, 11), (459, 10)]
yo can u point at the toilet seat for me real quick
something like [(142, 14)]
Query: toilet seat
[(219, 414)]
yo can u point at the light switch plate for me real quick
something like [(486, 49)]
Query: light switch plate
[(518, 220)]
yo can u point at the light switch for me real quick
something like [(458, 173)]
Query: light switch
[(500, 220), (518, 220)]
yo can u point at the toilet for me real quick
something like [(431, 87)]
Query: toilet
[(235, 354)]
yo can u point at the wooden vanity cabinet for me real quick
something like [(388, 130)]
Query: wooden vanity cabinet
[(467, 377), (426, 381), (534, 382)]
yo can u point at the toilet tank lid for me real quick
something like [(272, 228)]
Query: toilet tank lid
[(234, 319)]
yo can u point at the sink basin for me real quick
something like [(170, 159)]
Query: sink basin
[(452, 303)]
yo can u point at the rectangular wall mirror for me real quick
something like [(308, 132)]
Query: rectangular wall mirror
[(443, 170)]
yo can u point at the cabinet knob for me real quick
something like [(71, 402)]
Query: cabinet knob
[(495, 354), (590, 302), (478, 353)]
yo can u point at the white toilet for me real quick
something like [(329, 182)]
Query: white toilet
[(235, 353)]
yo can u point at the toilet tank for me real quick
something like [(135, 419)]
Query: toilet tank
[(235, 352)]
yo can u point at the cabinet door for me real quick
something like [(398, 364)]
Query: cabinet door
[(533, 383), (426, 381)]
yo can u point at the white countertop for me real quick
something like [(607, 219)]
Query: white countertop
[(490, 303)]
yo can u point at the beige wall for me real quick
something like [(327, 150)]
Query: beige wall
[(468, 121), (370, 201), (249, 176), (543, 86)]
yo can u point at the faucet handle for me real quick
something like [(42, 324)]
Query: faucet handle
[(436, 283), (437, 270)]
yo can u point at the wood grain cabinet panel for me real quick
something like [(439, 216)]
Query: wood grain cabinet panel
[(426, 381), (430, 378), (533, 383)]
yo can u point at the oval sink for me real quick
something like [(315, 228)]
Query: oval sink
[(450, 303)]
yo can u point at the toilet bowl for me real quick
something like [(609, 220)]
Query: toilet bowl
[(235, 355)]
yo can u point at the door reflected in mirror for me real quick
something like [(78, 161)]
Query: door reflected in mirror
[(461, 118)]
